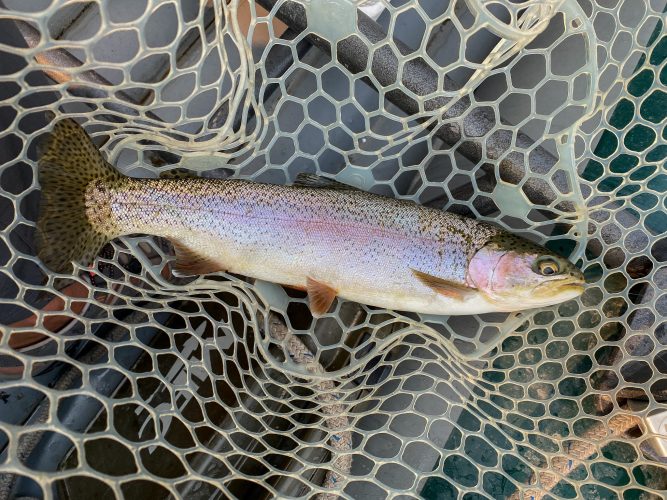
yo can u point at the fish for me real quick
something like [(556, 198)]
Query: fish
[(318, 235)]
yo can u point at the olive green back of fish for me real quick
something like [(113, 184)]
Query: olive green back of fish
[(69, 162)]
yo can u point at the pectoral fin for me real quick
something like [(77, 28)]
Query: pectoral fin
[(188, 262), (442, 286), (320, 296)]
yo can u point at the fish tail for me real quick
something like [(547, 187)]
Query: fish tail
[(68, 164)]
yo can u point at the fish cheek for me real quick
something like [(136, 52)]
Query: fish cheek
[(513, 273)]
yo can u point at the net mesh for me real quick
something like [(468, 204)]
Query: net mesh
[(544, 117)]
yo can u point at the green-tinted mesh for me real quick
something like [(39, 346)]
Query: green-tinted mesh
[(545, 117)]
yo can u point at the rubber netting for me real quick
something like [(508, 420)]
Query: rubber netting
[(545, 117)]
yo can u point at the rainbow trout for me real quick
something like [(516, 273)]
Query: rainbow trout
[(319, 235)]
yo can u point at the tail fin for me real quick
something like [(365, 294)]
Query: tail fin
[(68, 164)]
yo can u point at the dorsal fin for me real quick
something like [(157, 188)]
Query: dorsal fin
[(177, 173), (320, 296), (442, 286), (318, 181)]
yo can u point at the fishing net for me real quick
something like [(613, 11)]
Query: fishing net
[(545, 117)]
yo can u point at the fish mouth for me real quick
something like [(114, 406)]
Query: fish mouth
[(548, 294), (542, 295), (573, 287), (568, 285)]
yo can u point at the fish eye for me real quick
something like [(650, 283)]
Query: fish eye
[(547, 267)]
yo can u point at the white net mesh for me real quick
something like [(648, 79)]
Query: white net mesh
[(543, 116)]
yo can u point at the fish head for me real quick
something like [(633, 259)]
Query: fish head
[(514, 273)]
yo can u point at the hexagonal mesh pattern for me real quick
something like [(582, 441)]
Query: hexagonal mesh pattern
[(543, 116)]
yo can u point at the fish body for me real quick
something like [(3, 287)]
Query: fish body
[(321, 236), (363, 246)]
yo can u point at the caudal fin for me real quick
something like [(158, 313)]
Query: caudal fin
[(68, 164)]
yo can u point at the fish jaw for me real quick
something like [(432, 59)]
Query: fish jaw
[(559, 291), (544, 295)]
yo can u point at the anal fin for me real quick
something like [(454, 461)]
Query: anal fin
[(188, 262), (443, 287), (320, 296)]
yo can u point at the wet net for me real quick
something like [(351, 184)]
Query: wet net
[(545, 117)]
